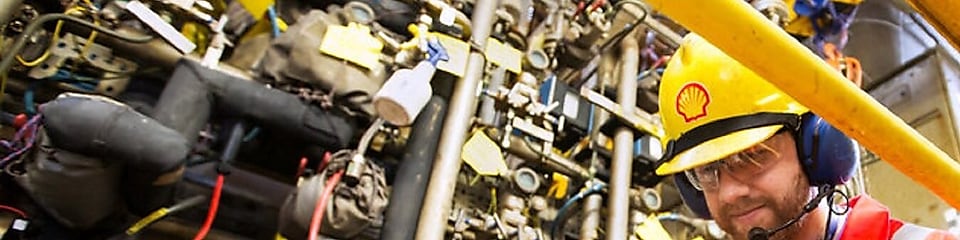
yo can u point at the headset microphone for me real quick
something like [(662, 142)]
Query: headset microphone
[(758, 233)]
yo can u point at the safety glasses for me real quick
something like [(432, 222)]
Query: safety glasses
[(744, 165)]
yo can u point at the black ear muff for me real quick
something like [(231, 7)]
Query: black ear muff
[(693, 198), (827, 155)]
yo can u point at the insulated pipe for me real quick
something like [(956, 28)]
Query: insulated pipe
[(463, 105), (618, 202), (186, 102), (100, 128), (778, 58), (400, 219)]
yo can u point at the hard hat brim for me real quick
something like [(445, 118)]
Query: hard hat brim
[(717, 148)]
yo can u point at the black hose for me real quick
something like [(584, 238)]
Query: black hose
[(410, 184), (7, 60)]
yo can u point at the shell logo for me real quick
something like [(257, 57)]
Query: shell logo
[(692, 101)]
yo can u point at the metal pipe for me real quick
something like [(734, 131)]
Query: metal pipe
[(591, 217), (618, 202), (400, 219), (488, 111), (463, 104), (7, 9), (732, 24), (940, 14)]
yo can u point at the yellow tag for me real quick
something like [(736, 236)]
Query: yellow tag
[(800, 26), (504, 56), (256, 7), (483, 155), (458, 52), (352, 43), (698, 238), (263, 26), (651, 229), (159, 213), (559, 186)]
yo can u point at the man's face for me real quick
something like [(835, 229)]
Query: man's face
[(765, 189)]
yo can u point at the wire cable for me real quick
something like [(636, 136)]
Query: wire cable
[(7, 60), (212, 212), (321, 204), (14, 210)]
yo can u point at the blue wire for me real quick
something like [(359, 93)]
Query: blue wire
[(557, 221), (275, 26)]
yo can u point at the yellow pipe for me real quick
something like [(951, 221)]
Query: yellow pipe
[(941, 14), (746, 35)]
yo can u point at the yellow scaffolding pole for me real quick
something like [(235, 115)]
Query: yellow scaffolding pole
[(942, 15), (746, 35)]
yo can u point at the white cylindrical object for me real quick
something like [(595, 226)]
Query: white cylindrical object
[(406, 93)]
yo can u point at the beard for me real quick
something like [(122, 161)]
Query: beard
[(784, 208)]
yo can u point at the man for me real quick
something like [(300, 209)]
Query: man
[(756, 161)]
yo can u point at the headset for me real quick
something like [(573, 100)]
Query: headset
[(828, 157)]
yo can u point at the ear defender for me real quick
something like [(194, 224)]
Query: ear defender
[(827, 155)]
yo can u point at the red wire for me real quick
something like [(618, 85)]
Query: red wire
[(321, 205), (324, 162), (302, 168), (14, 210), (596, 4), (212, 213)]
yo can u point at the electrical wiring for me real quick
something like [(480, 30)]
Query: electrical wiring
[(17, 211), (561, 213), (7, 60), (53, 42), (212, 211), (162, 213), (319, 208)]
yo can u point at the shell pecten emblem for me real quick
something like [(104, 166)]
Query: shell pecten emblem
[(692, 101)]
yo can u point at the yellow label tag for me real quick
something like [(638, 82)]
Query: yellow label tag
[(458, 52), (159, 213), (263, 26), (559, 186), (256, 7), (352, 43), (504, 56), (651, 229), (483, 155)]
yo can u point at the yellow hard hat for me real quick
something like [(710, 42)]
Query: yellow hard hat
[(712, 107)]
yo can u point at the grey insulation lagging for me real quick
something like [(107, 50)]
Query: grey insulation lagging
[(186, 102), (111, 131)]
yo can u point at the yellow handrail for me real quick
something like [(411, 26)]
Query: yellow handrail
[(942, 15), (746, 35)]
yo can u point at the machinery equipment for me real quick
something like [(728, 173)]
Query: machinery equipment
[(386, 119)]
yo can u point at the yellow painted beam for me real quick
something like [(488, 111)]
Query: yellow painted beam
[(746, 35), (942, 14)]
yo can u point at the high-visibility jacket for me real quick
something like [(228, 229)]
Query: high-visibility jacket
[(869, 219)]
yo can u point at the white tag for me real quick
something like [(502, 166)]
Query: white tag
[(20, 224), (165, 30), (447, 16), (571, 105)]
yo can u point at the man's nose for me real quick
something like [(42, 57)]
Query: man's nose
[(731, 188)]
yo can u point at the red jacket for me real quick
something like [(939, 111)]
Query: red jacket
[(868, 219)]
